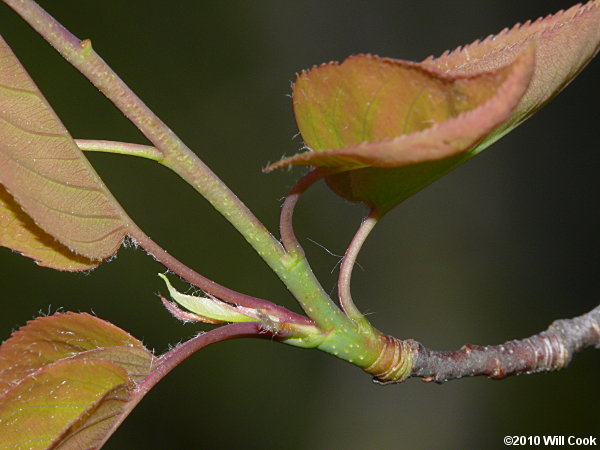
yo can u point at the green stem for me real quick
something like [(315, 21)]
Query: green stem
[(298, 276), (120, 148), (315, 301), (211, 287), (177, 156), (341, 336)]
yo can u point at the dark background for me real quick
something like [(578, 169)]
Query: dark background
[(494, 251)]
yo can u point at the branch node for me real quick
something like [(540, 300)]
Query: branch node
[(394, 362)]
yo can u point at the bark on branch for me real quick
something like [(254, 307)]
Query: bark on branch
[(549, 350)]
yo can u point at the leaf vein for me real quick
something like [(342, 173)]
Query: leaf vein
[(28, 131), (55, 181)]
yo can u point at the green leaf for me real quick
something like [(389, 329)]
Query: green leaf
[(209, 310), (46, 174), (68, 380), (384, 129)]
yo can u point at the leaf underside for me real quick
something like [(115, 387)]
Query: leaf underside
[(46, 177), (19, 232), (67, 381)]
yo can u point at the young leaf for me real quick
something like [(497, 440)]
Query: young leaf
[(68, 379), (46, 174), (391, 134), (209, 310), (370, 111)]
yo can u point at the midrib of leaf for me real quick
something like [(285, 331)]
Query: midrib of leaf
[(95, 416)]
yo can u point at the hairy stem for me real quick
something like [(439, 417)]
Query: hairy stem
[(315, 301), (167, 362), (177, 355), (298, 275), (547, 351), (173, 264), (300, 279), (286, 225), (294, 272), (175, 154), (348, 264)]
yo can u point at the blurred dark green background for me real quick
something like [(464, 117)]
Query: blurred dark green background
[(494, 251)]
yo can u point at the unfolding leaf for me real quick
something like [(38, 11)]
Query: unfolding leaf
[(50, 179), (210, 310), (385, 129), (68, 380)]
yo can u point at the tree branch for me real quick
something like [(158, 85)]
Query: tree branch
[(547, 351)]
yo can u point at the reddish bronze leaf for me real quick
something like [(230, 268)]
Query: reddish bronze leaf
[(49, 339), (68, 379), (48, 176), (19, 232), (378, 112), (565, 43), (385, 135)]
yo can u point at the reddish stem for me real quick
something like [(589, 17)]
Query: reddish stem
[(348, 264), (177, 355), (286, 225)]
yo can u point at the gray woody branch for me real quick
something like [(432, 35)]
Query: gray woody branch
[(547, 351)]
